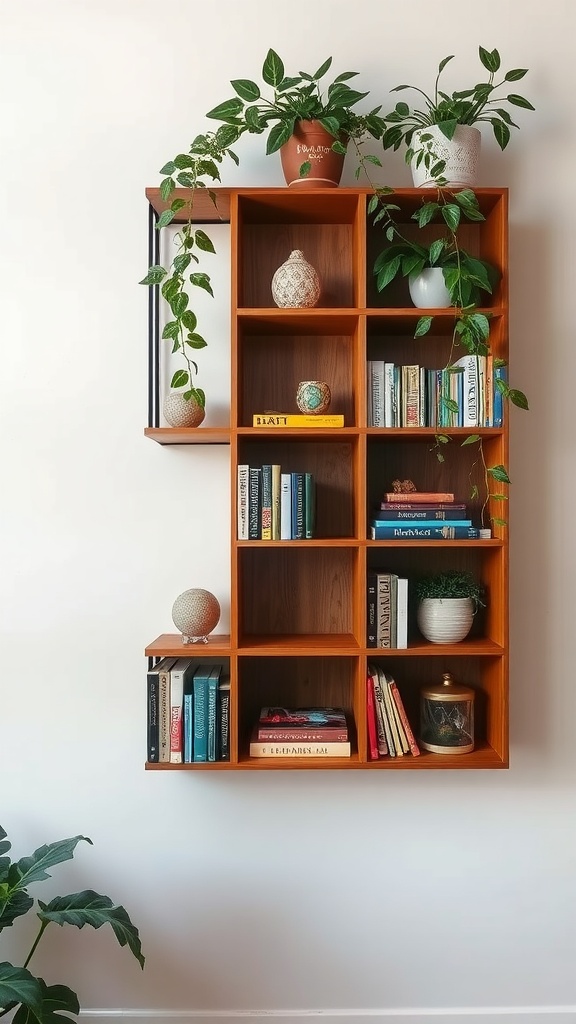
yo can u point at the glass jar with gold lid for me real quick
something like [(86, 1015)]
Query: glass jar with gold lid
[(447, 717)]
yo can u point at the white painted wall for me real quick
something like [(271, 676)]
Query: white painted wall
[(272, 891)]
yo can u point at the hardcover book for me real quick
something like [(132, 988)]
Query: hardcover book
[(263, 419), (424, 533), (180, 675), (200, 713), (394, 512), (153, 706), (243, 477), (417, 497), (224, 720), (262, 748), (164, 708), (310, 717), (212, 702)]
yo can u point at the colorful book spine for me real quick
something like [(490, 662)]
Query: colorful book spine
[(297, 506), (412, 744), (200, 713), (179, 675), (371, 723), (308, 734), (384, 610), (290, 420), (426, 512), (309, 506), (285, 506), (224, 720), (417, 497), (266, 505), (408, 521), (260, 748), (243, 478), (254, 503), (164, 710), (399, 741), (500, 373), (212, 708), (387, 746), (188, 728), (276, 510), (424, 533)]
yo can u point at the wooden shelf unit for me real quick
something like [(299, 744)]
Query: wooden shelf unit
[(298, 608)]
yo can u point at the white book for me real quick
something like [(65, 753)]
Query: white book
[(474, 368), (285, 506), (179, 674), (390, 711), (389, 403), (243, 477), (402, 613), (377, 390)]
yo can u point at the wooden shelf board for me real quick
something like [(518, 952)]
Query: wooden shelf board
[(317, 542), (413, 543), (203, 211), (287, 321), (423, 433), (170, 645), (189, 435), (422, 648)]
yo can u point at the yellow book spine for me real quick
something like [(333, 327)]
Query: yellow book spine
[(289, 420)]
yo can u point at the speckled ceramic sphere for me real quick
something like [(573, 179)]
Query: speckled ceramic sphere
[(196, 613), (295, 284), (182, 412), (313, 397)]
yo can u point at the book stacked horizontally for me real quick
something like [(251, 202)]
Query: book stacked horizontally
[(389, 731), (301, 732), (430, 515)]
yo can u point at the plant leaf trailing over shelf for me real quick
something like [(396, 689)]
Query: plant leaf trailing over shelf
[(466, 278)]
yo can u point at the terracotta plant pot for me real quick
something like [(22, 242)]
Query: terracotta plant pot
[(311, 142)]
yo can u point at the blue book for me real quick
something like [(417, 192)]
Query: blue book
[(418, 522), (500, 373), (212, 698), (420, 532), (200, 713), (188, 728)]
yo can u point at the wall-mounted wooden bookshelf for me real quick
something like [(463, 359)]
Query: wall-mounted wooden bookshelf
[(298, 608)]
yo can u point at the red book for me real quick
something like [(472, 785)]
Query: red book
[(417, 497), (422, 506), (371, 709), (414, 748), (306, 734)]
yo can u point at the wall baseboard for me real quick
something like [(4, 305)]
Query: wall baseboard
[(410, 1015)]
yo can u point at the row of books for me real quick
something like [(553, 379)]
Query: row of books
[(430, 515), (464, 394), (273, 505), (389, 731), (300, 732), (386, 610), (188, 712)]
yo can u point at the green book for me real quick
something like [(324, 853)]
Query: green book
[(309, 506)]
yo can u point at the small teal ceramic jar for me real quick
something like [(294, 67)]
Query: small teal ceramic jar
[(313, 397)]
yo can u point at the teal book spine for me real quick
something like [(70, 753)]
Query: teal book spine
[(200, 715), (212, 700), (309, 506), (188, 728)]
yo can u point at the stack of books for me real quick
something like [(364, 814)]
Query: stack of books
[(301, 732), (431, 515), (389, 731), (273, 505), (387, 610), (188, 705)]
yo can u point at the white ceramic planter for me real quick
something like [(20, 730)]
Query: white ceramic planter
[(461, 153), (445, 620), (428, 289), (182, 412)]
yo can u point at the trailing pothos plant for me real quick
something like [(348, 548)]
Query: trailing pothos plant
[(20, 990), (465, 278)]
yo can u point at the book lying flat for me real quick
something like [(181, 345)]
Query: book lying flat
[(263, 419), (432, 497), (263, 748), (403, 532)]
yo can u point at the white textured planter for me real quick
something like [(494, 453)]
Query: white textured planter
[(445, 620), (182, 412), (428, 289), (461, 153)]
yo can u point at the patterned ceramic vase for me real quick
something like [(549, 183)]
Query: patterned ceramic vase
[(296, 284), (182, 412), (313, 397), (195, 613), (461, 153)]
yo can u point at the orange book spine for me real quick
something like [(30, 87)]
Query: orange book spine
[(418, 496), (414, 748)]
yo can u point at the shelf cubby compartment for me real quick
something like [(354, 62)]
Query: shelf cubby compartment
[(391, 338), (276, 352), (485, 239), (325, 226), (298, 681), (486, 675), (298, 595), (334, 465)]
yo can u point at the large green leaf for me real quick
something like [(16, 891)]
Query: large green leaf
[(17, 985), (91, 908), (14, 905), (55, 998), (246, 89), (272, 69)]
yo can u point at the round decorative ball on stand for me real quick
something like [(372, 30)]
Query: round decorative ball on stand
[(313, 397), (195, 613)]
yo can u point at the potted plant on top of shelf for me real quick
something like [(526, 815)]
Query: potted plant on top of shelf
[(442, 142), (447, 604), (20, 990), (311, 128)]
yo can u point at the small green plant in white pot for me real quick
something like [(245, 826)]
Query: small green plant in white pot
[(447, 604), (442, 142)]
